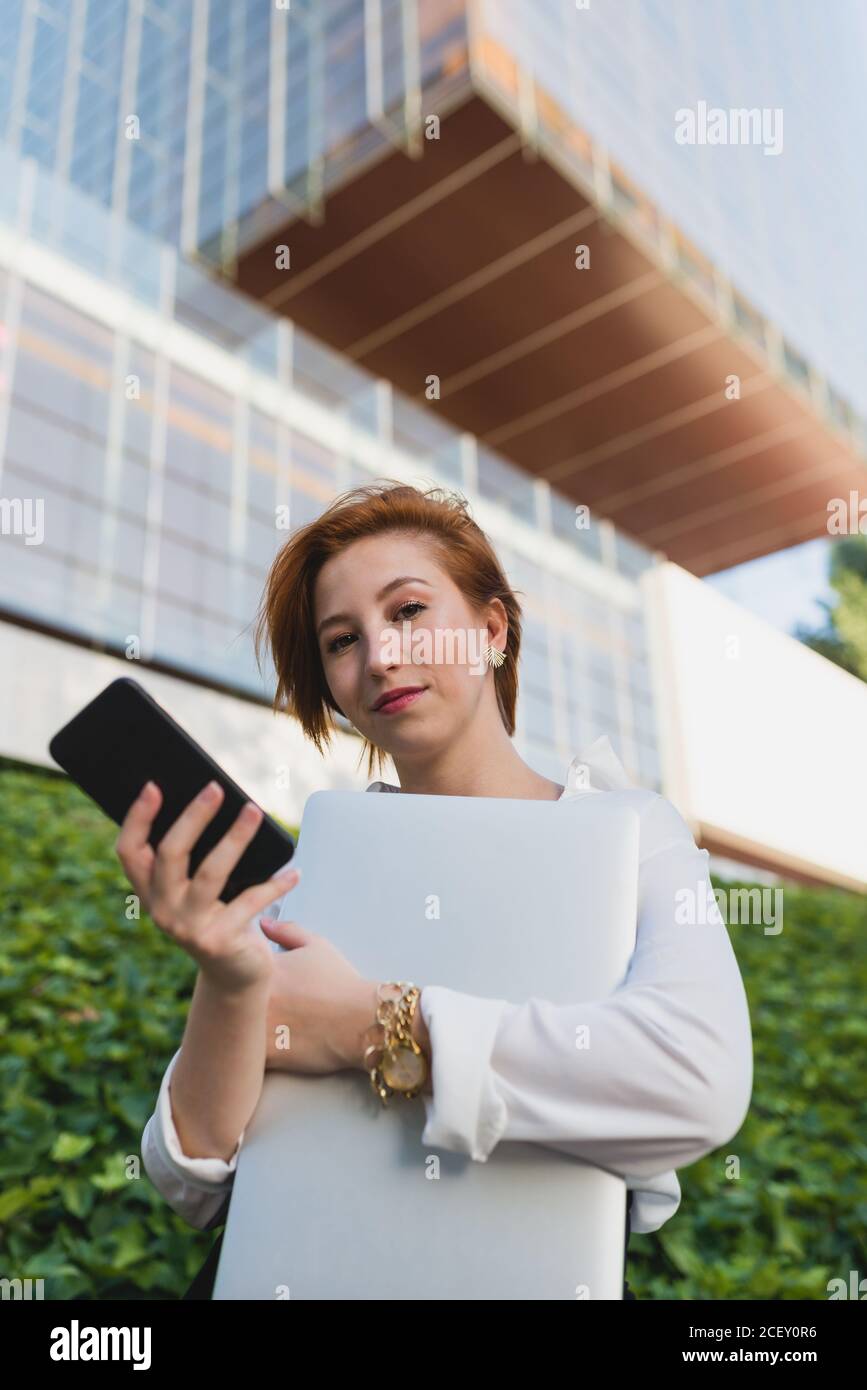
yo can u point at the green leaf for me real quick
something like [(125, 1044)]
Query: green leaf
[(78, 1195), (70, 1146), (14, 1200), (113, 1175)]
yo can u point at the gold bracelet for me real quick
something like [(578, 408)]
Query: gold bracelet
[(396, 1062)]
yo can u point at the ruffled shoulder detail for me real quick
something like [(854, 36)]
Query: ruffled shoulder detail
[(597, 768)]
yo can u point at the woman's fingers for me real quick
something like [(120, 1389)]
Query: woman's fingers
[(173, 852), (131, 846), (254, 900), (288, 934), (210, 878), (184, 906)]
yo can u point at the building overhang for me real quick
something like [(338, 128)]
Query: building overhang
[(532, 296)]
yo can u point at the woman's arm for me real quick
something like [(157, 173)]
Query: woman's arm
[(211, 1087), (220, 1067), (219, 1075), (198, 1189), (651, 1078)]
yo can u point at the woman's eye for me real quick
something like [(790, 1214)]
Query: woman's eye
[(334, 646), (411, 603)]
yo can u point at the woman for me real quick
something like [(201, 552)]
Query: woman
[(669, 1076)]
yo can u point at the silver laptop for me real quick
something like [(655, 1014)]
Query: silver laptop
[(498, 897)]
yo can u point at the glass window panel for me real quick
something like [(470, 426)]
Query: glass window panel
[(102, 40), (199, 434), (134, 487), (306, 504), (138, 415), (263, 540), (75, 459), (632, 558), (74, 400), (46, 70), (129, 549), (84, 534), (563, 518), (507, 485), (536, 715)]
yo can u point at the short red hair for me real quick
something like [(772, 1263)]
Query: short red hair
[(285, 620)]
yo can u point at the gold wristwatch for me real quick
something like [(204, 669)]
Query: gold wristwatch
[(396, 1062)]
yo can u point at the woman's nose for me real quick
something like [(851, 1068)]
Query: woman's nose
[(382, 648)]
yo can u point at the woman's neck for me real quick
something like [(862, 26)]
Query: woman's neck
[(457, 771)]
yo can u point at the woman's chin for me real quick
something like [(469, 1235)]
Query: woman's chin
[(411, 738)]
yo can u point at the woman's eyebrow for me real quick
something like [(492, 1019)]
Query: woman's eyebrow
[(392, 584)]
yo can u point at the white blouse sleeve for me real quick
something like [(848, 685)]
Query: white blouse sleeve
[(198, 1189), (667, 1075)]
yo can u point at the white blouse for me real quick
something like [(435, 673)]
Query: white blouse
[(669, 1076)]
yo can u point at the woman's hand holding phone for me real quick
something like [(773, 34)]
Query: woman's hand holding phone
[(229, 951), (312, 986)]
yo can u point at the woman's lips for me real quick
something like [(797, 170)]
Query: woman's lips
[(402, 701)]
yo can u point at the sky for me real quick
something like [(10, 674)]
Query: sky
[(782, 588)]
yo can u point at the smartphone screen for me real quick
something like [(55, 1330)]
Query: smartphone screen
[(123, 739)]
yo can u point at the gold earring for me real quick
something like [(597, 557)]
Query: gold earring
[(493, 656)]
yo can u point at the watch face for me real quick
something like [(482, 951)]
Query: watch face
[(403, 1069)]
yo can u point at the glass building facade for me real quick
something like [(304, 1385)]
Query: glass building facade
[(783, 223), (210, 124), (164, 418), (166, 423), (204, 122)]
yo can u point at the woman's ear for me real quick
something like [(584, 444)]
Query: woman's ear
[(498, 623)]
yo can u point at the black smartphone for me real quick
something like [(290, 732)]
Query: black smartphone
[(123, 739)]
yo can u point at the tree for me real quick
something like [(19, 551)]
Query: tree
[(843, 636)]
